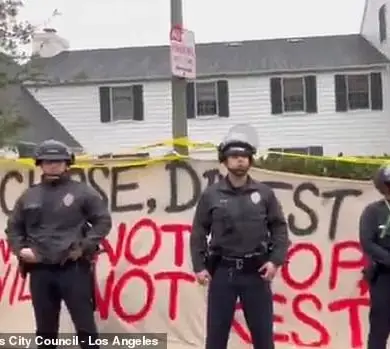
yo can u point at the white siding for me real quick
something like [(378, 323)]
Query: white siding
[(356, 133), (370, 24), (77, 109)]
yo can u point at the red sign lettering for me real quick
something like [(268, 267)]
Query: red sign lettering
[(345, 261)]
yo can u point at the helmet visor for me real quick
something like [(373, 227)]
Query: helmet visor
[(237, 151), (53, 157)]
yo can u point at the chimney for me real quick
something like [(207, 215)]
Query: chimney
[(48, 43)]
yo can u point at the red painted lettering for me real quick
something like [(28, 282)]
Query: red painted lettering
[(14, 287), (3, 280), (297, 305), (324, 336), (279, 319), (337, 263), (139, 226), (174, 277), (178, 231), (104, 302), (305, 310), (24, 292), (355, 326), (315, 274), (5, 251), (114, 256), (120, 287)]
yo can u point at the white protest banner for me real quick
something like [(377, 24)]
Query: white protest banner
[(145, 283)]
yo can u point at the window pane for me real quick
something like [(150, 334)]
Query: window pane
[(293, 95), (358, 83), (122, 103), (358, 92), (382, 24), (206, 98)]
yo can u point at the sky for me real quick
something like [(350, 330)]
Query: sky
[(90, 24)]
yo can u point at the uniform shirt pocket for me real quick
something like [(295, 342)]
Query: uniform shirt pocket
[(219, 213), (222, 222), (255, 220), (32, 215)]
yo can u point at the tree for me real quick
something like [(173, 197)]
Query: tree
[(14, 34)]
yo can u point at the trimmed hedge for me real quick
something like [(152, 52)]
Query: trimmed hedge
[(320, 167)]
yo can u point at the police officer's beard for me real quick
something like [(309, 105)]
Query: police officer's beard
[(54, 177), (239, 172)]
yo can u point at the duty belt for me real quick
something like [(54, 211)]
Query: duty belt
[(237, 263), (250, 262)]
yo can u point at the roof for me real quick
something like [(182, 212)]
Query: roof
[(41, 124), (215, 59)]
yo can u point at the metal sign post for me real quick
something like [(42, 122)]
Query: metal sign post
[(183, 63)]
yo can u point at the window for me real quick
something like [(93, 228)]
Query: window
[(293, 95), (297, 94), (358, 92), (208, 99), (121, 103), (382, 24)]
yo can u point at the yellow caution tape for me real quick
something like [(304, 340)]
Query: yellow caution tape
[(183, 142), (30, 163), (345, 159), (127, 163), (131, 159)]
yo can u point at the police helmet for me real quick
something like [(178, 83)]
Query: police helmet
[(235, 147), (53, 150), (241, 139), (382, 179)]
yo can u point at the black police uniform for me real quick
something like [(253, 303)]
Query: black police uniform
[(52, 218), (374, 233), (243, 222)]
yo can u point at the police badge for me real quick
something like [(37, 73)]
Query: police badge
[(68, 199), (255, 197)]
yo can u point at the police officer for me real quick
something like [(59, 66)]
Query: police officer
[(243, 219), (374, 232), (55, 227)]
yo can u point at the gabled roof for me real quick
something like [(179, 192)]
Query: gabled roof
[(215, 59), (41, 124)]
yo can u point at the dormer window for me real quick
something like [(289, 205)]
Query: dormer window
[(382, 24)]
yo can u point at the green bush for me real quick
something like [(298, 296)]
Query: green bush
[(340, 168)]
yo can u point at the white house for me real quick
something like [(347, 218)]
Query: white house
[(329, 93)]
